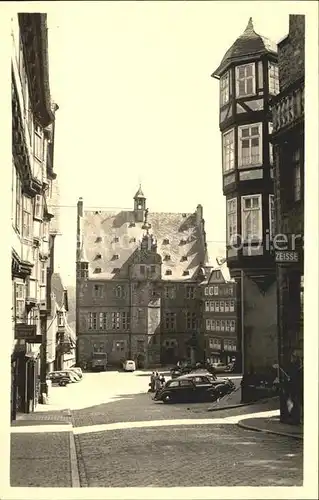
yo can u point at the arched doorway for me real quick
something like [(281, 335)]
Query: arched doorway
[(169, 352)]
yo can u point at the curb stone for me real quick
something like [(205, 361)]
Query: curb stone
[(240, 405), (267, 431)]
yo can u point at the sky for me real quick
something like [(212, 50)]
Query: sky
[(137, 104)]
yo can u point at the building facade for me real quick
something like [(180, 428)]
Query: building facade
[(137, 291), (288, 143), (248, 76), (33, 178), (220, 312)]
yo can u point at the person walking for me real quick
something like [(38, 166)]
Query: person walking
[(162, 379), (152, 384), (157, 382)]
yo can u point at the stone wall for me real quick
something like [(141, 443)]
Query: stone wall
[(291, 53)]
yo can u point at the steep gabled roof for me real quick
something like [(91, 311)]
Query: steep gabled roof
[(249, 44), (112, 239)]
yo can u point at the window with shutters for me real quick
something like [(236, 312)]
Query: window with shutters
[(251, 218), (250, 145), (245, 80)]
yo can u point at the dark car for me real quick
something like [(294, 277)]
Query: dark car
[(61, 378), (189, 389)]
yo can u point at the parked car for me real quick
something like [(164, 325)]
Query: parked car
[(61, 378), (192, 388), (222, 385), (75, 376), (77, 370), (220, 367), (129, 365)]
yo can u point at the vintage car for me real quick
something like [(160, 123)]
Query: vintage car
[(193, 388)]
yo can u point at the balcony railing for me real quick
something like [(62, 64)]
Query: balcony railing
[(288, 109)]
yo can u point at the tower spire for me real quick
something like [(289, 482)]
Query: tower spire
[(249, 31)]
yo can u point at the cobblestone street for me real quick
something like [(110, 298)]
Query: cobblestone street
[(174, 445)]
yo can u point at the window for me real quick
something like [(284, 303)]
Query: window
[(43, 273), (26, 217), (118, 291), (153, 269), (168, 272), (116, 256), (213, 325), (245, 80), (232, 305), (231, 221), (296, 175), (185, 383), (119, 346), (103, 320), (216, 306), (20, 300), (38, 142), (215, 344), (210, 324), (228, 151), (18, 203), (184, 258), (206, 290), (271, 149), (217, 325), (273, 76), (142, 269), (227, 326), (218, 275), (125, 320), (166, 241), (224, 89), (222, 325), (115, 320), (215, 290), (98, 291), (230, 290), (251, 218), (185, 273), (97, 270), (211, 290), (190, 292), (229, 345), (45, 231), (98, 347), (169, 292), (212, 306), (116, 240), (92, 321), (250, 145), (98, 239), (222, 306), (38, 207), (61, 322), (170, 321), (191, 321), (272, 222), (232, 325), (207, 305), (167, 257), (226, 306)]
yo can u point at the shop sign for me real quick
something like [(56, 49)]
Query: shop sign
[(27, 333)]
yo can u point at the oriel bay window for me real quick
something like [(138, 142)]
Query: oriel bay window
[(245, 80), (228, 151), (251, 218), (224, 89), (250, 145), (231, 220)]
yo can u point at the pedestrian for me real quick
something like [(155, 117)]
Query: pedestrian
[(157, 382), (162, 379), (152, 384)]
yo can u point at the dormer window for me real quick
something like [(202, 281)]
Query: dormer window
[(185, 273), (97, 270), (245, 80), (132, 224), (116, 240), (166, 241), (115, 256), (168, 272), (167, 257), (60, 319), (224, 89), (183, 241), (98, 256), (184, 215), (98, 239), (184, 258), (133, 240)]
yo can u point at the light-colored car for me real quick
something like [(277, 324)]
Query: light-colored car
[(129, 365), (76, 370), (220, 367), (74, 376)]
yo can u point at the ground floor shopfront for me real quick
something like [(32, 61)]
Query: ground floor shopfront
[(25, 380)]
